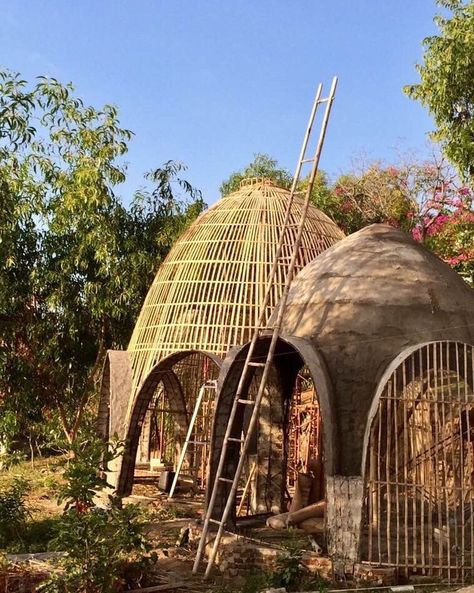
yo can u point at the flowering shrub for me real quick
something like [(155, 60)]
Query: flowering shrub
[(443, 218), (425, 199)]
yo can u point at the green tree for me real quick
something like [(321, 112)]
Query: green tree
[(447, 83), (373, 193), (75, 262), (262, 165), (424, 198)]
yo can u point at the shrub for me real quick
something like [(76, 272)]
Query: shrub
[(106, 550), (84, 473), (13, 512)]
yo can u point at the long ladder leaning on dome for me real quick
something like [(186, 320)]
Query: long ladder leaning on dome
[(240, 396)]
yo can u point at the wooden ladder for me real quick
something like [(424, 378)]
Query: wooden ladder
[(207, 386), (240, 398)]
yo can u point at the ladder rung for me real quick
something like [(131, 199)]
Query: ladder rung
[(307, 161), (235, 440), (325, 100), (228, 480), (215, 521), (245, 401), (198, 442), (256, 364)]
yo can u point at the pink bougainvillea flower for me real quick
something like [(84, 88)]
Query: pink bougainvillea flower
[(417, 233), (453, 261), (437, 224)]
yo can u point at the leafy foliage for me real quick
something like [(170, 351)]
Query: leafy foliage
[(262, 165), (13, 512), (66, 241), (447, 83), (84, 476), (106, 550), (289, 570), (424, 198), (373, 194)]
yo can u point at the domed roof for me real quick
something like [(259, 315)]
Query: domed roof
[(374, 284), (207, 292), (363, 303)]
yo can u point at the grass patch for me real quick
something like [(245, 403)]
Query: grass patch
[(44, 478)]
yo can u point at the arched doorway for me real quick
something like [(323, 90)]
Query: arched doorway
[(171, 388), (279, 454), (419, 464)]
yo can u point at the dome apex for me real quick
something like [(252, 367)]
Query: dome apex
[(207, 293), (258, 181)]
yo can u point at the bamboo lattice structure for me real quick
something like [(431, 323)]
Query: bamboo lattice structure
[(207, 292), (420, 466)]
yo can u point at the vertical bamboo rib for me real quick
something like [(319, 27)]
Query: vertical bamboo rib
[(387, 476), (206, 293), (379, 483), (426, 408)]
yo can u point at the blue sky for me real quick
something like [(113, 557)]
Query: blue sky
[(211, 82)]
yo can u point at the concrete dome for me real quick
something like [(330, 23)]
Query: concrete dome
[(365, 300)]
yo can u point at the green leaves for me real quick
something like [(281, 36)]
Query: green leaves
[(13, 512), (263, 165), (447, 84), (84, 473), (75, 263), (106, 551)]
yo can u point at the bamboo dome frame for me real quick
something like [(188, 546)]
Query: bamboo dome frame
[(206, 294), (206, 297)]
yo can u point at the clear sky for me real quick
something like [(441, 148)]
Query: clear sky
[(211, 82)]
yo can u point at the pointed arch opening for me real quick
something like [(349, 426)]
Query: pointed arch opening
[(418, 465), (159, 417), (294, 446)]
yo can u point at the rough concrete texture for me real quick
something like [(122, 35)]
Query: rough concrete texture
[(344, 497), (363, 302), (114, 395), (351, 312)]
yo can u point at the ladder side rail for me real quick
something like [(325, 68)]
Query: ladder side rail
[(255, 334), (215, 486), (306, 138), (296, 178), (272, 274), (186, 441), (299, 236), (274, 339), (242, 460)]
